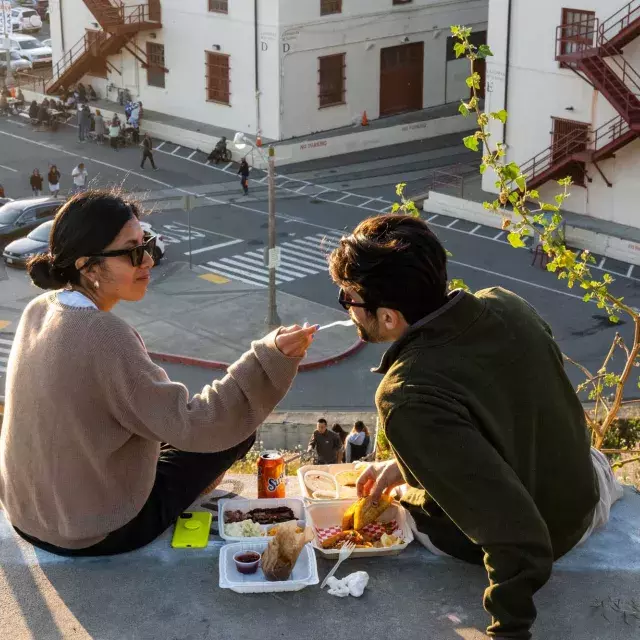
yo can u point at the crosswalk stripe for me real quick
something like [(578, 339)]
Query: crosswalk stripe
[(2, 370), (5, 350), (313, 244), (248, 263), (3, 341), (329, 236), (282, 270), (232, 276), (301, 252), (243, 273), (289, 262)]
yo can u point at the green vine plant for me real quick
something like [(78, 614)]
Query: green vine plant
[(532, 217)]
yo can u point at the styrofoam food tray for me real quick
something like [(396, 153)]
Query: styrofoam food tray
[(333, 469), (304, 574), (322, 515), (295, 504)]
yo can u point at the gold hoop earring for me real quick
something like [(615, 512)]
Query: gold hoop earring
[(96, 284)]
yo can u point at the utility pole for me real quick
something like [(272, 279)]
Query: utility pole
[(272, 319)]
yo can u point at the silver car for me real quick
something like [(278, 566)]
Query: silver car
[(18, 63)]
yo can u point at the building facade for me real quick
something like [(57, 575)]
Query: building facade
[(283, 68), (569, 77)]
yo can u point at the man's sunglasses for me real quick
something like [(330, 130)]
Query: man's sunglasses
[(346, 302), (136, 254)]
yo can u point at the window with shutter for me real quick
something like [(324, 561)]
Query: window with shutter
[(219, 6), (327, 7), (156, 69), (331, 80), (218, 77)]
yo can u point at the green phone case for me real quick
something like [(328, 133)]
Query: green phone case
[(192, 530)]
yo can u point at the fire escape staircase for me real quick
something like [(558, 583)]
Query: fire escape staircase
[(120, 24), (594, 52)]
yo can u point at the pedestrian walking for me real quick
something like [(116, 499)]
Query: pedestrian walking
[(79, 175), (84, 122), (99, 126), (54, 180), (243, 171), (114, 133), (147, 146), (36, 183)]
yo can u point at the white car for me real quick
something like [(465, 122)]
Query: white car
[(47, 42), (18, 63), (32, 49), (160, 246), (25, 20)]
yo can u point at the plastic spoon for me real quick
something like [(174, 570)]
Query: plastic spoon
[(337, 323)]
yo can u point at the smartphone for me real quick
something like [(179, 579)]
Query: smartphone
[(192, 530)]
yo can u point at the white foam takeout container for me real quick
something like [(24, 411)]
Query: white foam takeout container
[(322, 515), (304, 574), (333, 470), (295, 504)]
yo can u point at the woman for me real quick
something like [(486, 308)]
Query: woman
[(53, 177), (33, 110), (342, 434), (81, 467), (357, 442), (36, 183), (114, 132), (99, 126)]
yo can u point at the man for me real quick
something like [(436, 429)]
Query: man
[(218, 151), (79, 175), (114, 132), (486, 429), (84, 122), (326, 443), (147, 147)]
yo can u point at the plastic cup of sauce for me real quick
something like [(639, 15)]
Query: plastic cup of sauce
[(246, 561)]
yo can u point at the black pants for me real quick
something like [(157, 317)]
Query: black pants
[(147, 154), (114, 142), (180, 478)]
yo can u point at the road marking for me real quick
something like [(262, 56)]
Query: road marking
[(8, 168), (248, 263), (630, 270), (3, 341), (282, 270), (343, 198), (309, 257), (173, 153), (287, 262), (302, 188), (364, 204), (479, 226), (433, 217), (314, 245), (5, 350), (213, 233), (227, 167), (231, 276), (4, 324), (452, 223), (498, 235), (160, 145), (262, 179), (193, 154), (601, 263), (212, 247), (243, 276), (215, 278)]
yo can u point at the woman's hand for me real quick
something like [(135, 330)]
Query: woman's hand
[(379, 478), (294, 341)]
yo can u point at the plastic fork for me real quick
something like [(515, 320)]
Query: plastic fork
[(345, 552), (337, 323)]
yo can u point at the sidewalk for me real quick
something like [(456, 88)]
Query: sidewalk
[(160, 592), (198, 316)]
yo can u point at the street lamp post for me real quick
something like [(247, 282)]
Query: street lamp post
[(240, 141)]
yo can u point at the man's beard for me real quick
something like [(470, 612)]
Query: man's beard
[(370, 334)]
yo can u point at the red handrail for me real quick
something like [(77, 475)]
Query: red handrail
[(580, 41), (80, 48), (620, 20)]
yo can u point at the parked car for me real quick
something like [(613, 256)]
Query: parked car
[(32, 49), (25, 20), (18, 252), (160, 246), (47, 42), (19, 217), (41, 6), (18, 63)]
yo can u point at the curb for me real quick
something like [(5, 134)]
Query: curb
[(213, 364)]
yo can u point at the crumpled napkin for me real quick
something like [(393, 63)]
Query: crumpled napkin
[(353, 585)]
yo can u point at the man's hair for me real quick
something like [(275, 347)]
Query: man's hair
[(359, 425), (393, 261), (322, 420)]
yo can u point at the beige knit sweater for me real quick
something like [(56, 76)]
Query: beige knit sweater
[(86, 410)]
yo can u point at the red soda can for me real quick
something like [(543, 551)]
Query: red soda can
[(271, 476)]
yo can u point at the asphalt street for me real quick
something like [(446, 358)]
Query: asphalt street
[(317, 202)]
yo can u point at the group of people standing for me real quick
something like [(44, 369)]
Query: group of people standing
[(335, 445), (79, 175)]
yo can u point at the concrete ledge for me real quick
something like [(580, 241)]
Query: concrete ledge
[(605, 245)]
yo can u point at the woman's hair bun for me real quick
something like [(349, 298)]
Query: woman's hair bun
[(44, 275)]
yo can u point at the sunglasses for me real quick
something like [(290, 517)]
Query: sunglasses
[(136, 254), (346, 302)]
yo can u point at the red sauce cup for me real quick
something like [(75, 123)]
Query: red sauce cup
[(247, 561)]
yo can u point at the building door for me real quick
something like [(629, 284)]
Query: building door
[(401, 78), (570, 137), (99, 64)]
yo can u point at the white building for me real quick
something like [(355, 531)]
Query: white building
[(284, 68), (569, 78)]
